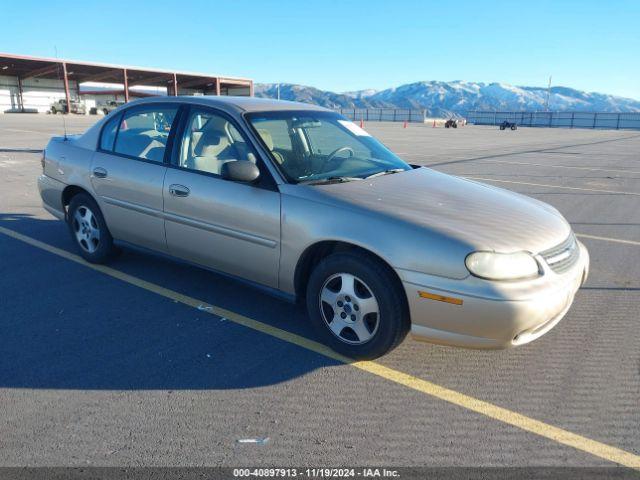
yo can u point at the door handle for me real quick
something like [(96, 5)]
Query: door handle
[(179, 190), (99, 172)]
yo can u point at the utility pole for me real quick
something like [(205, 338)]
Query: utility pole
[(546, 107)]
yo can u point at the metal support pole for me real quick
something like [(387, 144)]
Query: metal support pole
[(66, 86), (618, 122), (20, 97), (175, 85), (595, 116), (218, 87), (573, 116), (126, 85), (251, 89)]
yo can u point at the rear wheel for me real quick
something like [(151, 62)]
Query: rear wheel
[(356, 306), (89, 230), (514, 127)]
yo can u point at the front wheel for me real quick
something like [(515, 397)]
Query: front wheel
[(514, 127), (357, 306), (89, 230)]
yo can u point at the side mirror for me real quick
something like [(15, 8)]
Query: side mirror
[(240, 171)]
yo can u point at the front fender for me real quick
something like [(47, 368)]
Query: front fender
[(306, 222)]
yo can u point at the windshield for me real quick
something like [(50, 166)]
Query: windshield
[(312, 147)]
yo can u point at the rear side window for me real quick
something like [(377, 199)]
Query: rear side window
[(109, 134), (143, 132)]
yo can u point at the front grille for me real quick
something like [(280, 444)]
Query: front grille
[(564, 256)]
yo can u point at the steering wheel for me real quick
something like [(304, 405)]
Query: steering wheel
[(333, 154), (338, 150)]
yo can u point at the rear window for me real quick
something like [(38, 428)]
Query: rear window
[(143, 133)]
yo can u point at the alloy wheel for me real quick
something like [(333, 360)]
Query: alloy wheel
[(86, 229), (349, 308)]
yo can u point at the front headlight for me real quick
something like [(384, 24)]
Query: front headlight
[(502, 266)]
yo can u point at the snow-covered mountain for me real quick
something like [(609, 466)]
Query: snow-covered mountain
[(302, 93), (361, 93), (445, 98)]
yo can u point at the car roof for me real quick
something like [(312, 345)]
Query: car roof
[(232, 104)]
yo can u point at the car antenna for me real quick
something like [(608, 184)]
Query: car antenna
[(64, 121)]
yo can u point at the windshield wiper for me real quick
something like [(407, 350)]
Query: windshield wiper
[(325, 181), (385, 172)]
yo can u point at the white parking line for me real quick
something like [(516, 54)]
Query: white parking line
[(613, 192), (593, 169), (608, 239), (23, 131)]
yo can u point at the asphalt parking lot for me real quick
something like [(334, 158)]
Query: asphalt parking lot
[(105, 368)]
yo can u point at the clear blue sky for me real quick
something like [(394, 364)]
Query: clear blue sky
[(592, 45)]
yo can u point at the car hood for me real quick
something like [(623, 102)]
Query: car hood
[(482, 216)]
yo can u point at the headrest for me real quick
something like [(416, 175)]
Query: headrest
[(211, 137), (266, 138)]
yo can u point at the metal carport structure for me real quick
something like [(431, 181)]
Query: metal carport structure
[(24, 67)]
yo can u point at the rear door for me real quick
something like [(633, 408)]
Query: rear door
[(128, 171), (228, 226)]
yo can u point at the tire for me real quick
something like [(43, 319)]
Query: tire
[(89, 230), (374, 288), (501, 127), (105, 111), (53, 110), (514, 127)]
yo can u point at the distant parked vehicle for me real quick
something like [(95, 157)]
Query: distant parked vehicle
[(451, 123), (504, 125), (61, 107), (109, 106)]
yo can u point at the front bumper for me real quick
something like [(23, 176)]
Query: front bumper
[(491, 315)]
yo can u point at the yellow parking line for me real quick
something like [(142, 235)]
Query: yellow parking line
[(487, 409)]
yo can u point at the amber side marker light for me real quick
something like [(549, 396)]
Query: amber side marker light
[(440, 298)]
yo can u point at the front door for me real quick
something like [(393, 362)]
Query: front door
[(128, 171), (228, 226)]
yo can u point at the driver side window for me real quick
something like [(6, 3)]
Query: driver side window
[(209, 141)]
